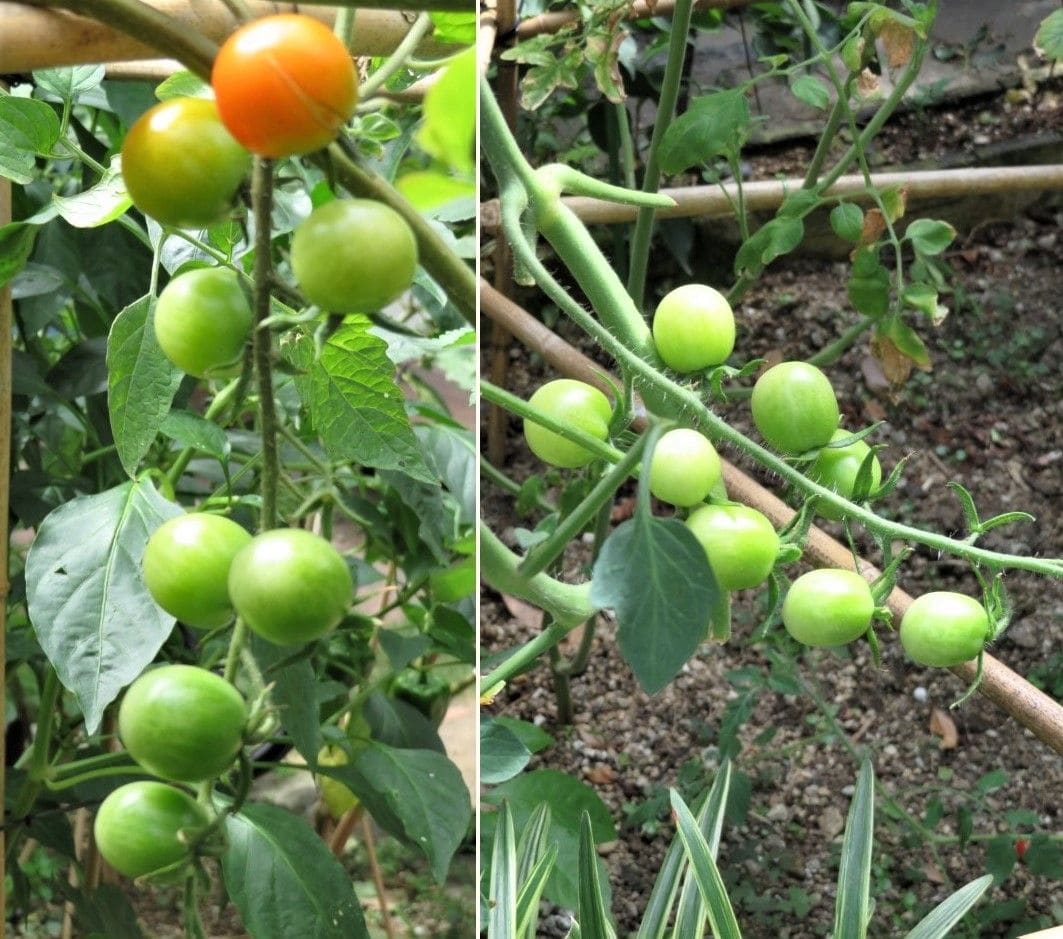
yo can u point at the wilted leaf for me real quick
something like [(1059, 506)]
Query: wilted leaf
[(867, 84), (897, 40), (943, 726), (873, 227)]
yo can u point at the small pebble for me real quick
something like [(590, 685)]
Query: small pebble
[(920, 694)]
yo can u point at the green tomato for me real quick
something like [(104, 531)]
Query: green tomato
[(338, 799), (794, 407), (828, 607), (202, 322), (181, 166), (354, 256), (693, 328), (684, 468), (574, 403), (837, 469), (740, 542), (943, 629), (186, 567), (138, 827), (290, 586), (182, 723)]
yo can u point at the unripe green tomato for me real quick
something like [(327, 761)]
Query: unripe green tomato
[(181, 166), (684, 468), (828, 607), (794, 407), (138, 825), (693, 328), (186, 567), (338, 799), (290, 586), (944, 628), (574, 403), (202, 321), (837, 469), (740, 542), (354, 256), (182, 723)]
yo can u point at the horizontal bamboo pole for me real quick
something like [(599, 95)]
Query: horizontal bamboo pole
[(33, 38), (1009, 691), (712, 201), (552, 22)]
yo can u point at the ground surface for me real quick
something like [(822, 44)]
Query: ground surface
[(989, 416)]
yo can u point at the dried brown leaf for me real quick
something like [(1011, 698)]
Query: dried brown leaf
[(895, 365), (897, 40), (874, 226), (943, 726)]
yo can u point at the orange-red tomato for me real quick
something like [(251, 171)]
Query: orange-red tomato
[(284, 84)]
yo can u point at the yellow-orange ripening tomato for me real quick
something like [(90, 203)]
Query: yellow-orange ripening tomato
[(285, 84)]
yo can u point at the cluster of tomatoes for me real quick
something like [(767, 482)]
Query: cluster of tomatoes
[(796, 412), (283, 85), (185, 724)]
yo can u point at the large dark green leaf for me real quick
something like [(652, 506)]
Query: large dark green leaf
[(27, 127), (94, 618), (284, 881)]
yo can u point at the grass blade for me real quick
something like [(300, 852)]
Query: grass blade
[(854, 875), (593, 916), (502, 922), (951, 910)]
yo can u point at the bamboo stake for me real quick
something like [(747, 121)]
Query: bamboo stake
[(711, 201), (33, 38), (1010, 692)]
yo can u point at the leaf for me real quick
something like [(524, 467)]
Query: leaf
[(16, 244), (943, 726), (567, 798), (399, 724), (603, 43), (714, 125), (141, 382), (897, 38), (454, 28), (187, 429), (354, 402), (295, 688), (870, 293), (450, 454), (1000, 858), (772, 240), (448, 131), (93, 616), (284, 880), (1049, 38), (593, 909), (502, 755), (847, 220), (100, 204), (418, 795), (895, 201), (853, 906), (69, 83), (664, 611), (431, 189), (503, 898), (812, 91), (930, 237), (940, 920), (27, 127), (182, 85), (104, 911)]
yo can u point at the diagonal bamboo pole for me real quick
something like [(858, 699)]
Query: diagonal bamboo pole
[(1012, 693)]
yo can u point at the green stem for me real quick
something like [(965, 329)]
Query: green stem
[(90, 763), (544, 554), (673, 73), (131, 769), (180, 464), (562, 686), (524, 657), (492, 473), (236, 645), (261, 200), (395, 62)]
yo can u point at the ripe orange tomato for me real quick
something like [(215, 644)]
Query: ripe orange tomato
[(284, 84)]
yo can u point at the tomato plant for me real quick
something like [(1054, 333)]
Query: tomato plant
[(794, 407), (202, 321), (181, 166), (572, 402), (944, 628), (684, 468), (290, 586), (740, 542), (828, 607), (693, 328), (182, 723), (285, 85), (354, 256), (139, 827), (186, 567), (838, 468)]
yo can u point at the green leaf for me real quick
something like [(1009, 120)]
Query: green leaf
[(531, 890), (1044, 858), (847, 220), (456, 28), (870, 293), (533, 737), (1000, 858), (852, 908), (182, 85), (1049, 38), (284, 880), (906, 340), (295, 688), (922, 297), (713, 126), (69, 83), (940, 920), (503, 919), (418, 795), (97, 206), (812, 91), (141, 383), (104, 911), (188, 429), (430, 189), (450, 454), (930, 237), (772, 240), (991, 781), (502, 755), (567, 798), (356, 406), (16, 244), (448, 133), (93, 616), (399, 724), (27, 127), (665, 610), (593, 910)]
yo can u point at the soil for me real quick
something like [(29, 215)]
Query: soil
[(987, 415)]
